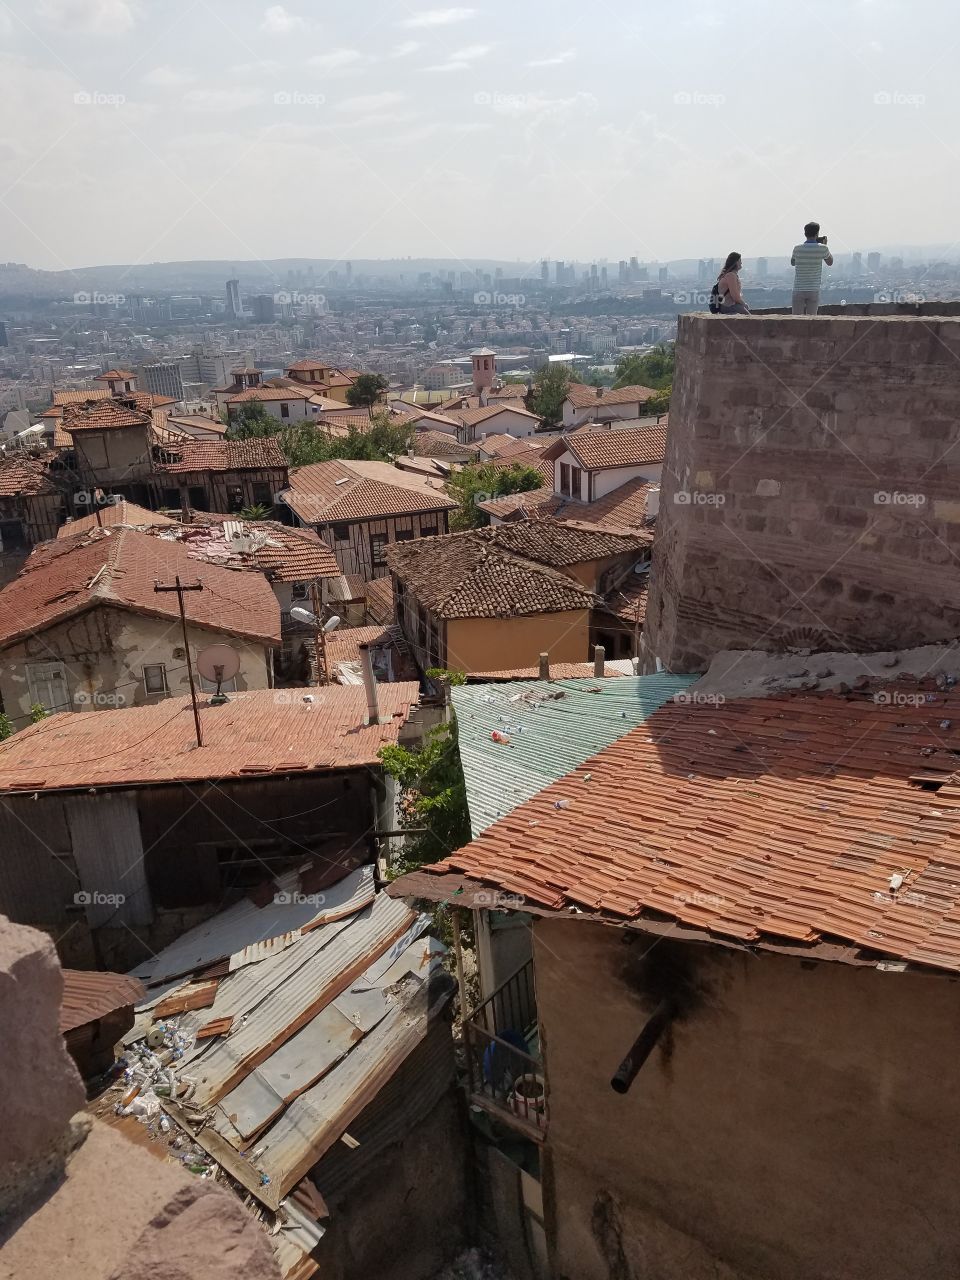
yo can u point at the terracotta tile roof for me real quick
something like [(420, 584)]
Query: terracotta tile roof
[(264, 731), (113, 374), (343, 645), (284, 554), (62, 439), (111, 414), (344, 491), (60, 398), (503, 446), (381, 607), (584, 397), (88, 996), (347, 588), (467, 575), (224, 455), (558, 671), (628, 602), (113, 513), (437, 444), (26, 474), (427, 415), (523, 504), (119, 568), (470, 417), (614, 447), (624, 508), (197, 420), (560, 545), (341, 379), (324, 403), (266, 392), (788, 819), (340, 424), (306, 366), (509, 391)]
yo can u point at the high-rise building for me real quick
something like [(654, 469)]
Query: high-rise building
[(896, 264), (623, 271), (873, 262), (3, 335), (856, 264), (234, 305), (163, 379), (662, 275), (264, 308), (544, 271), (603, 277), (558, 271), (762, 268), (702, 271)]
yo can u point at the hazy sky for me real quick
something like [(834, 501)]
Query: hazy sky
[(135, 130)]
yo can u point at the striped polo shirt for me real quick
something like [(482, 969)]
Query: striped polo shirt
[(808, 260)]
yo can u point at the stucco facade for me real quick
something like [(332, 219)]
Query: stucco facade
[(791, 1126), (95, 661), (500, 644)]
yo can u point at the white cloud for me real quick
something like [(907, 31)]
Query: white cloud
[(168, 77), (448, 66), (471, 53), (405, 49), (221, 99), (438, 17), (336, 59), (278, 20), (109, 16), (557, 60), (264, 67), (368, 102)]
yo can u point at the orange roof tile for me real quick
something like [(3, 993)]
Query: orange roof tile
[(264, 731), (269, 393), (613, 447), (342, 491), (256, 454), (60, 398), (470, 417), (114, 374), (623, 508), (118, 569), (112, 414), (583, 397), (113, 513), (798, 819), (26, 474), (282, 553)]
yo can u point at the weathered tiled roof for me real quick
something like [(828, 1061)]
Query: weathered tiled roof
[(104, 415), (559, 545), (224, 455), (795, 819), (25, 473), (113, 513), (343, 491), (262, 731), (467, 575), (583, 397), (614, 447), (119, 568)]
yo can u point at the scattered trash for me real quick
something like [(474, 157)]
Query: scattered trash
[(945, 724), (561, 804), (896, 880), (502, 738)]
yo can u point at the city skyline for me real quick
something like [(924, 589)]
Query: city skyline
[(182, 135)]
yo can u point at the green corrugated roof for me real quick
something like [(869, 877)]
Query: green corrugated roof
[(553, 726)]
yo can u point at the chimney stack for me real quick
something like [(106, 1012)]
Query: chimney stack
[(653, 503), (369, 684), (544, 666), (599, 661)]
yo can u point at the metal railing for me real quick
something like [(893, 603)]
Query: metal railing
[(504, 1077)]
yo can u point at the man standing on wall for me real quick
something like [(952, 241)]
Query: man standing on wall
[(808, 259)]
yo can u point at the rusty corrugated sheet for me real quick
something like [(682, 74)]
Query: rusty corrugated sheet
[(88, 996)]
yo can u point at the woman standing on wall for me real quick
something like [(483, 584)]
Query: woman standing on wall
[(727, 296)]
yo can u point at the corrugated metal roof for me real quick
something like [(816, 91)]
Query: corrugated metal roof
[(552, 727), (88, 996)]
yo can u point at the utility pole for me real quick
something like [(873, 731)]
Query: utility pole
[(319, 637), (180, 587)]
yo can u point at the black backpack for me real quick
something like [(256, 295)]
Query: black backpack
[(716, 298)]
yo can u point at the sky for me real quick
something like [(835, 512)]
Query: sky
[(139, 131)]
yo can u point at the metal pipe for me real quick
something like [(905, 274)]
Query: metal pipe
[(642, 1047), (369, 684)]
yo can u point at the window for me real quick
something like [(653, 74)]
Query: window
[(341, 533), (404, 535), (48, 686), (262, 496), (564, 479), (284, 409), (210, 686), (155, 678), (576, 475), (378, 549), (299, 591), (428, 530), (234, 497)]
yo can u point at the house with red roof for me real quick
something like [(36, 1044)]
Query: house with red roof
[(82, 627), (603, 404), (218, 475)]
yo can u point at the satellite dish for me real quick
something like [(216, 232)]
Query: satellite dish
[(216, 663)]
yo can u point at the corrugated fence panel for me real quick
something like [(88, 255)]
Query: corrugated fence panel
[(109, 856)]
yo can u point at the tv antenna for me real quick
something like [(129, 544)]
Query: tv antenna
[(218, 663)]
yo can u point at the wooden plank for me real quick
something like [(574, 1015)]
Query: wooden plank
[(221, 1151), (198, 997), (218, 1027)]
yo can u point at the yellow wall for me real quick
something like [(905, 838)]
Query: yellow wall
[(500, 644)]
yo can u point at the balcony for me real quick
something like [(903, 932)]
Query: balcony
[(502, 1046)]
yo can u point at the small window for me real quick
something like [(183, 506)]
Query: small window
[(378, 549), (576, 475), (565, 479), (299, 591), (284, 409), (404, 535), (155, 678), (262, 495), (341, 533), (428, 530), (235, 497)]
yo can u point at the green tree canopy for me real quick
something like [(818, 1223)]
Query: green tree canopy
[(550, 386), (482, 481), (306, 442), (654, 369), (253, 420), (366, 390), (433, 797)]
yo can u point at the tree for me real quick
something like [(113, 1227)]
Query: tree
[(38, 712), (253, 420), (433, 797), (259, 511), (550, 386), (366, 390), (654, 369), (482, 481), (6, 726), (383, 441)]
